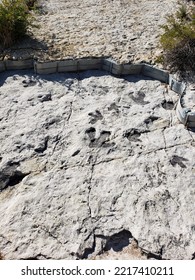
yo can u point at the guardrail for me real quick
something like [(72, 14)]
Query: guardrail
[(75, 65)]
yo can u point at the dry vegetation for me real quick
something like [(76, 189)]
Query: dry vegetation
[(178, 40), (15, 19)]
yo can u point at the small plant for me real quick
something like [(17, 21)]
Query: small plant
[(15, 19), (30, 4), (178, 40)]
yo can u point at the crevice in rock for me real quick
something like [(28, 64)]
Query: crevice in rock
[(37, 257), (65, 167), (76, 153), (16, 178), (8, 114), (193, 256), (168, 105), (72, 102), (57, 141), (152, 255), (164, 139), (70, 112), (108, 160), (90, 183), (123, 157), (161, 149), (51, 235), (6, 241), (191, 132), (10, 176)]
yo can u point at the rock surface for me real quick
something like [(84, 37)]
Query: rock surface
[(126, 30), (91, 163)]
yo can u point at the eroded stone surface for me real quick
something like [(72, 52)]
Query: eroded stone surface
[(89, 158)]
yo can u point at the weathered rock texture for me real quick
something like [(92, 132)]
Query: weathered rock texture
[(126, 30), (91, 163)]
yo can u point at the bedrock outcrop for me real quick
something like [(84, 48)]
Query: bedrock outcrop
[(91, 163)]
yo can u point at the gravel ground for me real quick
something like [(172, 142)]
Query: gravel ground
[(127, 30)]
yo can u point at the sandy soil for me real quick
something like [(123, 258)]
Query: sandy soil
[(127, 30)]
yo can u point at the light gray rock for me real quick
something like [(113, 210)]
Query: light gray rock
[(89, 158)]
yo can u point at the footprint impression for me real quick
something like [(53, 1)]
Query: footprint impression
[(95, 116), (102, 141)]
